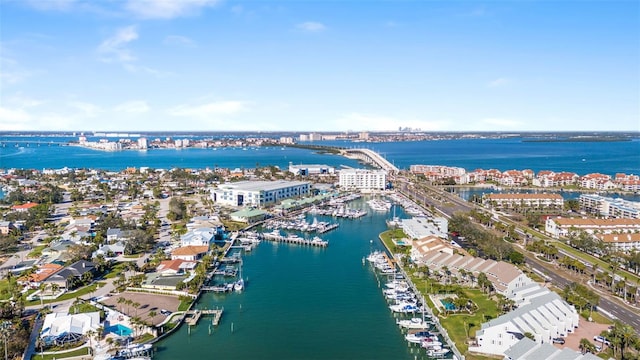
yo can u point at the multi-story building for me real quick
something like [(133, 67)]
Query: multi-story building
[(540, 312), (313, 169), (623, 242), (439, 172), (609, 207), (597, 181), (560, 227), (142, 143), (523, 200), (362, 179), (258, 193)]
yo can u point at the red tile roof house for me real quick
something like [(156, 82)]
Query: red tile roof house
[(24, 207)]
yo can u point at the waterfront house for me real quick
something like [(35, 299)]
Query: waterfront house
[(175, 267), (61, 328), (198, 237), (189, 253)]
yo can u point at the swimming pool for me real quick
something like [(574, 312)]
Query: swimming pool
[(447, 305), (119, 329)]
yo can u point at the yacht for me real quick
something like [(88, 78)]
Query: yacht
[(438, 353), (414, 323), (419, 336), (404, 307), (238, 286)]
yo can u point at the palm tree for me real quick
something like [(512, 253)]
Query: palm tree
[(41, 287), (150, 315), (586, 346), (121, 300)]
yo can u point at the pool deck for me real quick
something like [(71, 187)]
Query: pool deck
[(436, 300)]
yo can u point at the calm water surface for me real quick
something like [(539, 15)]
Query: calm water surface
[(302, 303)]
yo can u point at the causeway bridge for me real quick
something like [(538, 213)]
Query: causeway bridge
[(370, 157)]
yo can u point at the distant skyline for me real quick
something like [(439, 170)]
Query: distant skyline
[(210, 65)]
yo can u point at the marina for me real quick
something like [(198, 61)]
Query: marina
[(289, 291)]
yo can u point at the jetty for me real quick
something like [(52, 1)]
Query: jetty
[(192, 317)]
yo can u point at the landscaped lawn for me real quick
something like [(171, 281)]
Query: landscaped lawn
[(69, 295), (78, 352), (457, 323)]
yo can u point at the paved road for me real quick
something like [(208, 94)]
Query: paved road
[(624, 313)]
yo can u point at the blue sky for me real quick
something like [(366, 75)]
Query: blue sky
[(214, 65)]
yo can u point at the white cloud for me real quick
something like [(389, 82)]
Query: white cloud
[(228, 107), (358, 121), (87, 109), (499, 82), (133, 107), (10, 71), (114, 48), (311, 26), (167, 9), (179, 40), (12, 119), (21, 101)]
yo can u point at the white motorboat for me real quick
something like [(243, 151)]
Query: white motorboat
[(438, 353), (413, 323), (418, 337), (238, 285), (404, 308)]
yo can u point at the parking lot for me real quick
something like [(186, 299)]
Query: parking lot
[(585, 330), (148, 302)]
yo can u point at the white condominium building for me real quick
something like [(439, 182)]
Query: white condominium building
[(258, 193), (363, 179)]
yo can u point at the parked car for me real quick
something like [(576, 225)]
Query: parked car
[(558, 340), (601, 340)]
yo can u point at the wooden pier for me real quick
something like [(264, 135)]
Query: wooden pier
[(193, 316)]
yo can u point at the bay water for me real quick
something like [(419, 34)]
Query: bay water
[(302, 303)]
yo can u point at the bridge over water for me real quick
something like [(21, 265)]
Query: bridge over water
[(370, 157)]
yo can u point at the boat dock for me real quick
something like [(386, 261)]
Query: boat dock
[(296, 240), (218, 288), (192, 317)]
